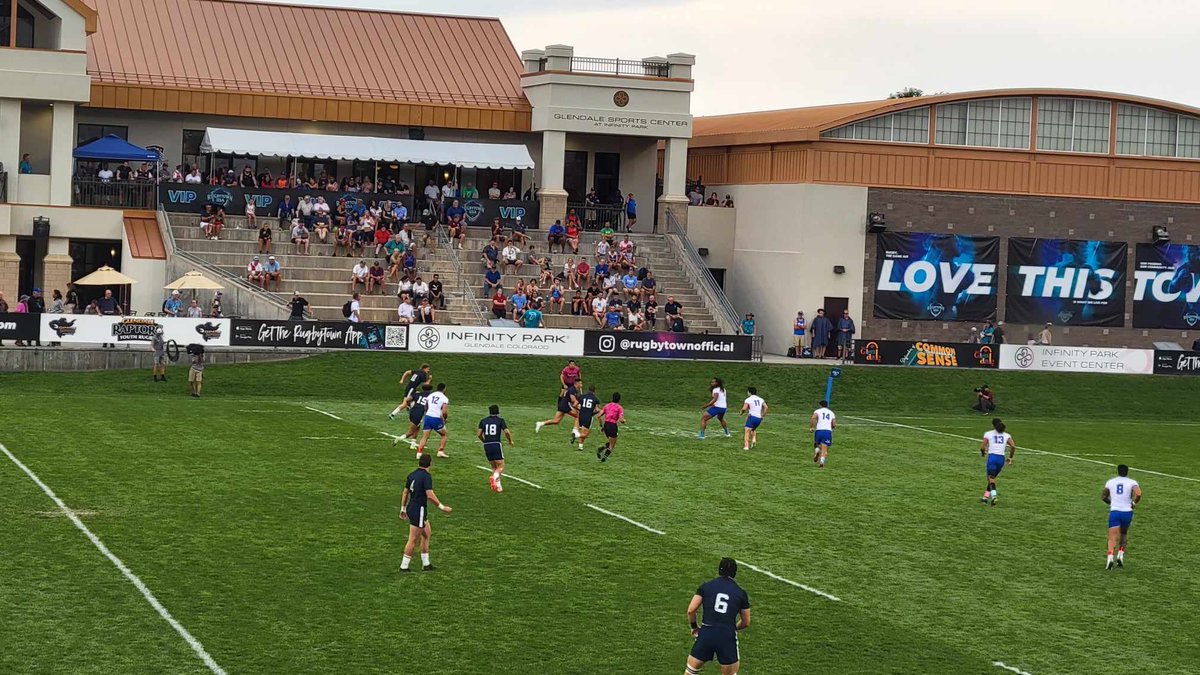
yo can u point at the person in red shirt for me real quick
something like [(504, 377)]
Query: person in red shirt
[(573, 236), (499, 305), (583, 273), (570, 375), (613, 415), (382, 237)]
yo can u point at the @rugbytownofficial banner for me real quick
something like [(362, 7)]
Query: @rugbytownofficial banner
[(666, 345), (21, 326), (319, 334), (1176, 363), (1067, 282), (925, 353), (492, 340), (1077, 359), (1166, 286), (936, 277), (94, 329)]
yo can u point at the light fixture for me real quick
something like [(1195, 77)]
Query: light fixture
[(702, 251), (839, 269), (876, 222), (1159, 234), (41, 227)]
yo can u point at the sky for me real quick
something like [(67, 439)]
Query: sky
[(771, 54)]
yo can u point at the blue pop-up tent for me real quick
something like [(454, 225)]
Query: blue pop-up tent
[(115, 149)]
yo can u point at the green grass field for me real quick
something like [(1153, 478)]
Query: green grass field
[(270, 531)]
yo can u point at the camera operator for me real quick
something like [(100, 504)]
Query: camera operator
[(196, 372), (985, 399)]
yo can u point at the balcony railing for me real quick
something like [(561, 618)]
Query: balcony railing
[(624, 67), (592, 217), (114, 194)]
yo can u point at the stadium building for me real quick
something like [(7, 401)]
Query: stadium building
[(275, 89)]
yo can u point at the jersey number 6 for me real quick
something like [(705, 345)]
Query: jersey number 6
[(721, 603)]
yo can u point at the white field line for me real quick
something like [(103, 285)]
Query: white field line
[(509, 476), (1156, 423), (789, 582), (263, 410), (133, 578), (394, 437), (621, 517), (322, 412), (1018, 671), (1025, 448), (340, 438)]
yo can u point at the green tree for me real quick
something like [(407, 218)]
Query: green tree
[(907, 92)]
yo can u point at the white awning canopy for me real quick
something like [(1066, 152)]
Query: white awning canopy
[(365, 148)]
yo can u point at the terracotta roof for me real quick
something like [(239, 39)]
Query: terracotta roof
[(806, 124), (231, 45), (144, 237)]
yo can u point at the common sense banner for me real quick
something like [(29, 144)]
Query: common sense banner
[(924, 353), (1067, 282), (1166, 288), (936, 277)]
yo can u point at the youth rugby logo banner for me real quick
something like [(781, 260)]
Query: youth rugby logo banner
[(1067, 282), (1166, 286), (936, 277)]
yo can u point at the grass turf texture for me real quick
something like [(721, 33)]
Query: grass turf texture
[(280, 554)]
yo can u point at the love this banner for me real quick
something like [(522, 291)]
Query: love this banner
[(1166, 286), (936, 277), (1067, 282)]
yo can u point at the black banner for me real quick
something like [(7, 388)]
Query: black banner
[(1176, 363), (185, 198), (1166, 290), (936, 277), (1067, 282), (14, 326), (928, 354), (666, 345), (480, 212), (320, 334)]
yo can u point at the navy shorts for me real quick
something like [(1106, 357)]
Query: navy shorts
[(610, 430), (415, 416), (995, 465), (585, 421), (417, 517), (493, 451), (564, 407), (1121, 519), (718, 641)]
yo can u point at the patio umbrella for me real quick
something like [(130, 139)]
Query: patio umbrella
[(194, 281), (105, 276)]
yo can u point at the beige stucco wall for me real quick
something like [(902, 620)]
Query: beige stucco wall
[(68, 222), (714, 229), (639, 167)]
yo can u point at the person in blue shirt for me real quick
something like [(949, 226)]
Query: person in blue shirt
[(173, 305), (25, 166), (630, 282), (630, 212), (519, 300), (400, 213), (726, 612), (455, 212), (748, 325), (533, 317), (287, 211), (557, 235), (612, 318), (799, 326), (491, 283)]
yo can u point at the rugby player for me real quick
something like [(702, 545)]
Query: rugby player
[(570, 375), (757, 409), (724, 603), (415, 402), (821, 426), (993, 446), (568, 402), (437, 413), (411, 381), (490, 430), (613, 416), (587, 409), (418, 490), (715, 407), (1121, 494)]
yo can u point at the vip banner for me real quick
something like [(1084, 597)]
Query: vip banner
[(669, 345), (480, 212), (184, 198), (1067, 282), (493, 340), (318, 334), (925, 354), (22, 326), (936, 277), (1166, 289), (95, 329), (1077, 359), (1176, 363)]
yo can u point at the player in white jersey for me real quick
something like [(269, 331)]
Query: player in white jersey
[(1121, 494), (437, 413), (756, 409), (821, 426), (715, 407), (995, 443)]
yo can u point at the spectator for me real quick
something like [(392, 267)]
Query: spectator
[(845, 329), (405, 312), (602, 247), (247, 180), (108, 306), (572, 235), (469, 192), (512, 257), (607, 233), (196, 372), (425, 312), (998, 334), (673, 309), (557, 296), (519, 232), (494, 191), (612, 318), (56, 303), (395, 265), (306, 209), (375, 278), (533, 317), (599, 308), (405, 286), (713, 200), (193, 177), (1045, 337), (649, 284), (272, 273), (695, 196), (436, 290), (173, 305), (499, 304), (652, 311), (215, 222), (973, 338), (297, 306), (748, 324), (194, 311), (629, 284), (410, 265), (449, 190), (254, 271), (432, 194), (490, 256), (630, 212), (455, 212), (634, 320), (519, 302), (382, 237), (287, 211), (352, 310), (728, 203), (105, 174), (985, 400), (822, 328), (583, 273), (71, 306), (264, 238), (497, 229), (510, 193), (420, 290), (556, 236), (342, 239), (124, 172), (799, 326), (572, 217), (25, 166), (491, 282), (214, 308), (300, 237), (358, 275), (579, 304), (988, 335)]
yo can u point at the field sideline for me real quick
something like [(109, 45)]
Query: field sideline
[(263, 517)]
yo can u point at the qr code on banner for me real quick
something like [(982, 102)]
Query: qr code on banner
[(395, 337)]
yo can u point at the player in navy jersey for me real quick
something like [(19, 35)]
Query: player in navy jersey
[(589, 405), (491, 428), (724, 604), (414, 503), (416, 404), (411, 381), (568, 402)]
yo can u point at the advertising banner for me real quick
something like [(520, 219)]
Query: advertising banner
[(1166, 288), (927, 354), (1077, 359), (186, 198), (95, 329), (493, 340), (480, 212), (936, 277), (1067, 282), (1176, 363), (666, 345), (318, 334), (19, 326)]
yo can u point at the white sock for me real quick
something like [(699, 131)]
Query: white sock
[(822, 461), (396, 411), (405, 561), (993, 493), (425, 559), (496, 474)]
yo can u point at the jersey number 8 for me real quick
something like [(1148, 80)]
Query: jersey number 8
[(490, 430), (721, 603), (1120, 489)]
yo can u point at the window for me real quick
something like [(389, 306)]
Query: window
[(1014, 122), (1055, 119), (1092, 126), (951, 124), (1150, 132), (1161, 128), (86, 133), (190, 154), (983, 123), (1073, 125), (1189, 137), (1131, 129), (911, 126), (906, 126), (989, 123)]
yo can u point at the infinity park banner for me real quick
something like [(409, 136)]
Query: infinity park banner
[(95, 329), (925, 354), (1166, 290), (1067, 282), (317, 334), (1077, 359), (1176, 363), (496, 340), (666, 345), (936, 277)]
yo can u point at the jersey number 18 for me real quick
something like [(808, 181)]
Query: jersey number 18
[(490, 430)]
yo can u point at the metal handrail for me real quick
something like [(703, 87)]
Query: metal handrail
[(704, 278), (590, 64), (464, 291), (593, 216)]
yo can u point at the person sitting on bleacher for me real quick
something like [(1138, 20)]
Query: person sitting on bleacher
[(556, 236)]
